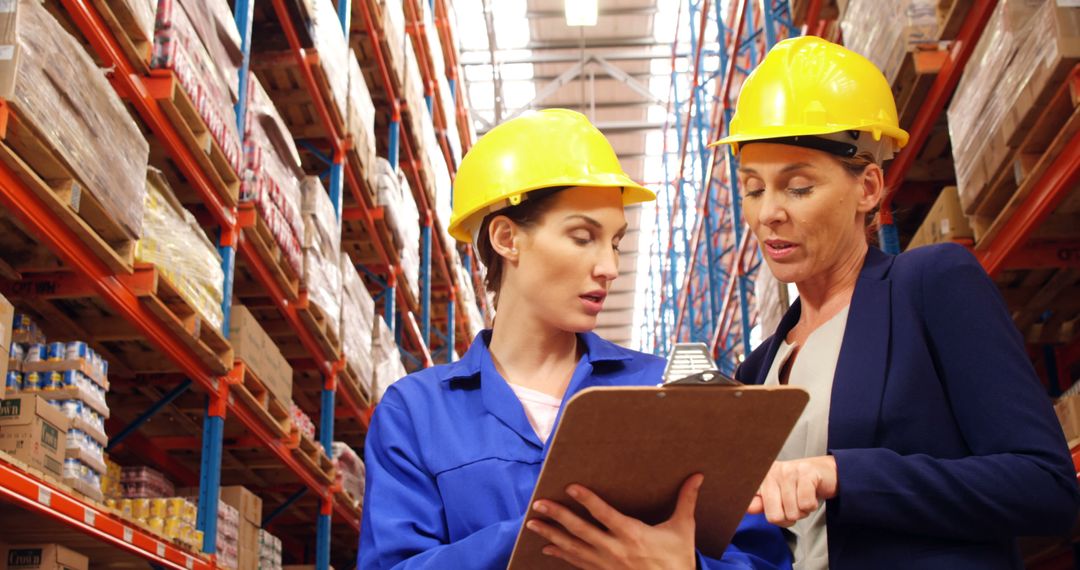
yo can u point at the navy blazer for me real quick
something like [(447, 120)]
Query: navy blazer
[(946, 445)]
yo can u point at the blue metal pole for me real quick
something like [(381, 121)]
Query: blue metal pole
[(165, 400), (322, 542), (425, 281), (389, 316), (337, 184), (889, 237), (394, 143), (326, 421), (344, 12), (210, 476)]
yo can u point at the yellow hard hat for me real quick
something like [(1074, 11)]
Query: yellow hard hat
[(810, 86), (539, 149)]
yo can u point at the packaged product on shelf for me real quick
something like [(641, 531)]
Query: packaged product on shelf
[(93, 134), (110, 481), (249, 507), (357, 316), (215, 26), (442, 186), (228, 536), (302, 421), (453, 135), (269, 551), (174, 518), (25, 330), (34, 432), (333, 50), (350, 470), (388, 365), (257, 351), (173, 241), (389, 21), (322, 252), (1022, 56), (413, 90), (395, 196), (198, 67), (7, 321), (145, 483), (138, 17), (80, 476), (41, 557), (321, 228), (360, 124), (468, 297)]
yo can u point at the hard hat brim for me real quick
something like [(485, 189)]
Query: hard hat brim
[(898, 135), (632, 193)]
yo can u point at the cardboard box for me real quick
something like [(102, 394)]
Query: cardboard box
[(247, 503), (41, 557), (1067, 409), (257, 350), (944, 222), (7, 315), (9, 47), (248, 546), (34, 432)]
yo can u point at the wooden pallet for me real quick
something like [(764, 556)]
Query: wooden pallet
[(283, 79), (175, 102), (166, 301), (268, 250), (312, 455), (32, 158), (1056, 125), (350, 381), (246, 387), (390, 45), (323, 326), (358, 242), (122, 22)]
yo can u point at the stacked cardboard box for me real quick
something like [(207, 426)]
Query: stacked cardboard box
[(360, 125), (173, 241), (322, 252), (333, 50), (393, 194), (91, 134), (198, 40), (7, 321), (34, 432), (272, 175), (349, 470), (1023, 55), (249, 507), (41, 557), (357, 320), (257, 351), (945, 221), (388, 365), (871, 28)]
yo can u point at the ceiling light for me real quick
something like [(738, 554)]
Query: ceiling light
[(581, 12)]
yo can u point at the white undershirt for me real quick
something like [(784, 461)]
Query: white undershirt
[(541, 409), (813, 370)]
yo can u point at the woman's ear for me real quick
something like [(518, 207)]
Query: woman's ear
[(503, 234), (871, 188)]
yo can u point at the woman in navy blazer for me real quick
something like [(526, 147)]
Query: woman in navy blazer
[(933, 444)]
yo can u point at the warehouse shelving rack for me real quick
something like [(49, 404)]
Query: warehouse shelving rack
[(145, 92)]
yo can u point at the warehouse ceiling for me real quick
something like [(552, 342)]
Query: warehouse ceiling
[(618, 73)]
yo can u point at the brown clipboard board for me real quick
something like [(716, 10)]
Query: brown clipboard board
[(634, 447)]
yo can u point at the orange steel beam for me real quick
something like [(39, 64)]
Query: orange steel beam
[(130, 85)]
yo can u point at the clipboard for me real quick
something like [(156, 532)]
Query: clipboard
[(635, 446)]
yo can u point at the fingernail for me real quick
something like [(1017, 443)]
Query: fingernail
[(540, 507), (531, 525), (573, 491), (548, 552)]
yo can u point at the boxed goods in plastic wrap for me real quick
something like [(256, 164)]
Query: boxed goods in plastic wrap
[(388, 365), (145, 483), (440, 174), (173, 241), (41, 557), (302, 421), (321, 228), (870, 28), (171, 517), (204, 67), (228, 536), (322, 252), (357, 320), (272, 174), (257, 351), (136, 16), (249, 506), (92, 134), (944, 222), (350, 470), (110, 481), (34, 432), (413, 91), (333, 50), (322, 279), (269, 551), (360, 124), (388, 17), (453, 135), (468, 297), (7, 320), (393, 194), (1026, 47)]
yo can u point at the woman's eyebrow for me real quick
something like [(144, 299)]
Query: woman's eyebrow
[(593, 222), (784, 170)]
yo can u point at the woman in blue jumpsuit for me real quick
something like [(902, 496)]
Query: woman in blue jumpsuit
[(454, 451)]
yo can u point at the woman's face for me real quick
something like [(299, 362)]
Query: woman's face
[(570, 257), (805, 209)]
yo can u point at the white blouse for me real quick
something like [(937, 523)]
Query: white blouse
[(813, 370), (541, 409)]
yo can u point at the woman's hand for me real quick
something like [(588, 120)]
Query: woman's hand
[(794, 489), (627, 542)]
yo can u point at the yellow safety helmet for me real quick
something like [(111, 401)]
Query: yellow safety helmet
[(808, 86), (539, 149)]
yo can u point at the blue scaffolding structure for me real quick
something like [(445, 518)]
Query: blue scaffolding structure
[(703, 266)]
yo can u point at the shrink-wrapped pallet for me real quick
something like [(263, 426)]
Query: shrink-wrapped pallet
[(387, 357), (333, 50), (872, 29), (357, 320), (322, 252), (395, 196)]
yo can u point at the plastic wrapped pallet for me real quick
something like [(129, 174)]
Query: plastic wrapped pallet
[(871, 29), (395, 196), (413, 89), (388, 365), (468, 298), (360, 124), (321, 229), (178, 46), (322, 252), (1025, 44), (215, 24), (357, 320), (453, 136), (92, 133), (173, 241), (333, 52), (349, 469), (273, 174), (440, 174), (269, 551), (140, 15)]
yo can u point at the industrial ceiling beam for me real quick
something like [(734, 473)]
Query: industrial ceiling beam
[(560, 14), (482, 57)]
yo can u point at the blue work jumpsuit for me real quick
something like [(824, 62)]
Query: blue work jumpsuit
[(452, 461)]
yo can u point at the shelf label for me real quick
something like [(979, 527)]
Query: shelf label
[(189, 563), (161, 550), (89, 516), (129, 534), (44, 496)]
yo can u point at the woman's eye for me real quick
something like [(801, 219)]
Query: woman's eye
[(754, 192), (801, 191), (581, 239)]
